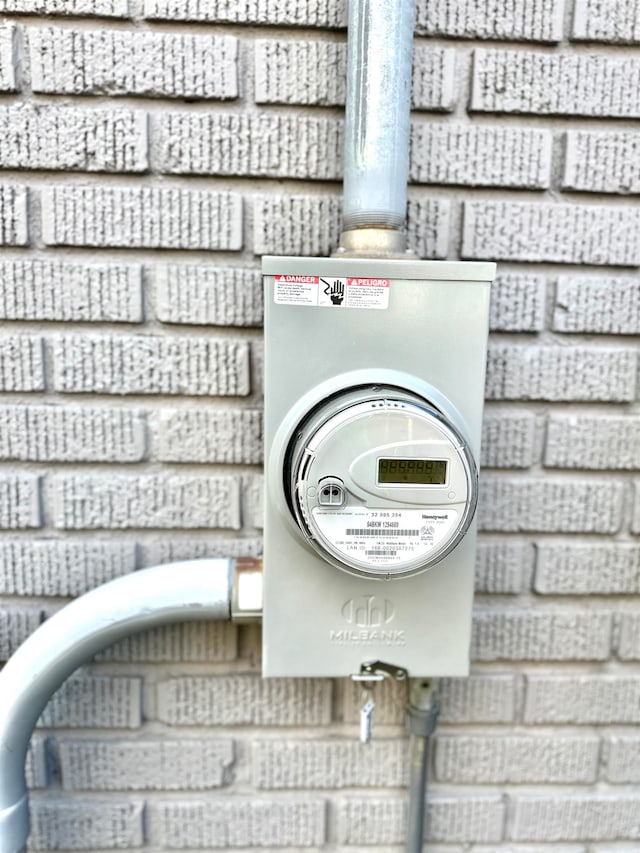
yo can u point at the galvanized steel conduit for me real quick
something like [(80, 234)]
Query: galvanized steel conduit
[(175, 592), (379, 59)]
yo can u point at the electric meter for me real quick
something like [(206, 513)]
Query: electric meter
[(374, 388), (379, 483)]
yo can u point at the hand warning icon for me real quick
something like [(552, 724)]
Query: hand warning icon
[(334, 290)]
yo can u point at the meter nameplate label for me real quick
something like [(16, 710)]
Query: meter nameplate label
[(331, 292), (385, 537)]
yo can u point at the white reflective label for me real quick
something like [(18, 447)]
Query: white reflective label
[(331, 292), (385, 537)]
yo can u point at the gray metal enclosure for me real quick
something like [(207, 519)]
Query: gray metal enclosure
[(431, 339)]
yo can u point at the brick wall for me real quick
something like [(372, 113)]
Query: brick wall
[(150, 151)]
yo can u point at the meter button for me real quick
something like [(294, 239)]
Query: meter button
[(331, 492)]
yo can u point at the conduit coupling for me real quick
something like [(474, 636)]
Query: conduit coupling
[(175, 592), (379, 57)]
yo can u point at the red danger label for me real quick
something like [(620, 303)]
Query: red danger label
[(369, 282), (297, 279)]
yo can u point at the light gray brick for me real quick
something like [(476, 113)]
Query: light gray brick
[(70, 292), (478, 699), (8, 59), (508, 440), (502, 566), (609, 306), (120, 62), (635, 521), (119, 501), (433, 85), (474, 699), (509, 81), (377, 820), (244, 700), (161, 550), (329, 764), (21, 363), (19, 501), (606, 162), (314, 72), (546, 231), (68, 139), (607, 20), (95, 701), (541, 635), (194, 642), (36, 766), (71, 434), (150, 364), (622, 759), (14, 228), (100, 8), (296, 225), (549, 505), (517, 303), (304, 13), (628, 641), (204, 294), (518, 21), (149, 764), (55, 567), (597, 442), (253, 500), (16, 624), (300, 72), (275, 146), (582, 699), (593, 569), (198, 435), (310, 225), (588, 817), (557, 373), (428, 226), (491, 156), (86, 824), (141, 217), (480, 759), (238, 822)]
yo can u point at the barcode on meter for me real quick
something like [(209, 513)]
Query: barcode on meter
[(381, 553), (366, 531)]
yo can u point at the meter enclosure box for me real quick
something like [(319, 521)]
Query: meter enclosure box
[(374, 385)]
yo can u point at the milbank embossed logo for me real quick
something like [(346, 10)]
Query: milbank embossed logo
[(367, 618), (368, 611)]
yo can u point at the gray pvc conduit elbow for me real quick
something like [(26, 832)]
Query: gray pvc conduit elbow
[(175, 592)]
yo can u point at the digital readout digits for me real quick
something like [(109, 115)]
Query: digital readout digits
[(417, 472)]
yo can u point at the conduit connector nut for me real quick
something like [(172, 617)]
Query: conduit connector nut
[(424, 708), (246, 595)]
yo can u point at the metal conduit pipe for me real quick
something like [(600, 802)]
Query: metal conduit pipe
[(422, 715), (376, 170), (175, 592)]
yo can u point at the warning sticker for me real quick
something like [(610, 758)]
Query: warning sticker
[(296, 290), (368, 292), (385, 537), (331, 291)]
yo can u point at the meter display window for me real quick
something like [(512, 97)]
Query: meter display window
[(415, 472)]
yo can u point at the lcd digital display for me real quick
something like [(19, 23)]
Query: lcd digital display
[(413, 472)]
